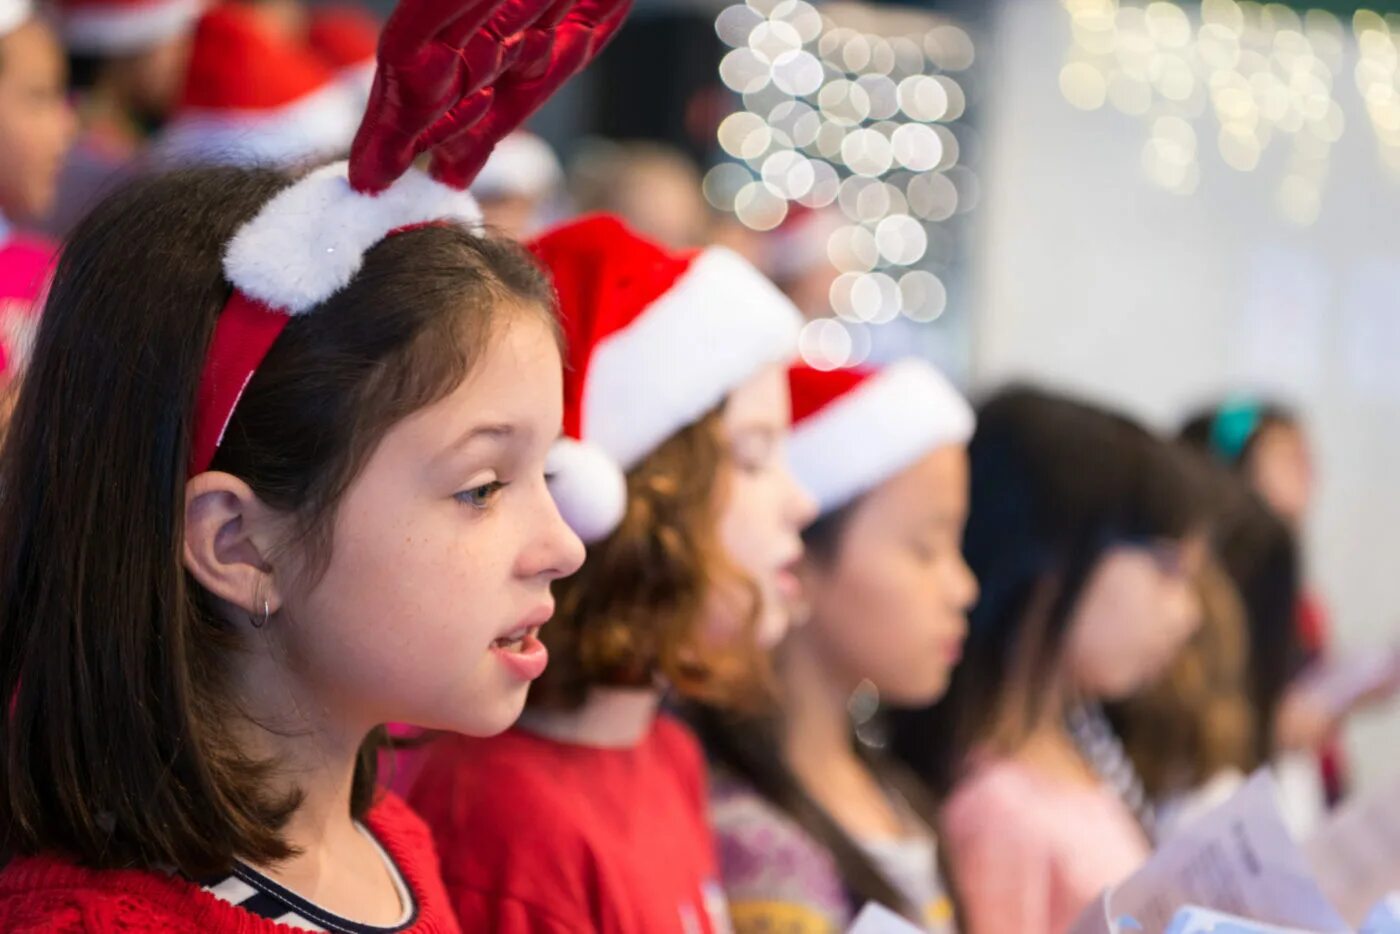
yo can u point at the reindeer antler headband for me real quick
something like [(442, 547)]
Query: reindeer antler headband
[(453, 78)]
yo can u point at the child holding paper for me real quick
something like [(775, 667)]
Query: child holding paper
[(1085, 534)]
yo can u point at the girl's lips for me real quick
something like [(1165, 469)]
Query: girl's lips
[(788, 584), (525, 657)]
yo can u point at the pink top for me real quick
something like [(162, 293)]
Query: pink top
[(1029, 852), (25, 264)]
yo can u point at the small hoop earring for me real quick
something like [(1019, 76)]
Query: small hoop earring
[(266, 615)]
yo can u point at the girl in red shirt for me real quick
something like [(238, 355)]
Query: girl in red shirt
[(276, 477), (590, 815)]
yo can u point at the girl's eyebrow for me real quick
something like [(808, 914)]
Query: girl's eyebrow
[(495, 431)]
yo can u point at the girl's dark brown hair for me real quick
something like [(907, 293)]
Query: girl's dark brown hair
[(118, 734), (1195, 721), (1055, 484), (637, 608)]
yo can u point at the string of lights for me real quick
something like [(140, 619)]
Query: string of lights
[(850, 112)]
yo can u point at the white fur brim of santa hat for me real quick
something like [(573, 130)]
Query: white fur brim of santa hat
[(522, 166), (121, 27), (858, 434), (317, 126), (13, 14)]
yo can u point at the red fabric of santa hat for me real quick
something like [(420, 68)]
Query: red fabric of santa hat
[(345, 39), (252, 97)]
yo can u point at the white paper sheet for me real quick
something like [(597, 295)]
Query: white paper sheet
[(1239, 859), (1355, 856), (877, 919)]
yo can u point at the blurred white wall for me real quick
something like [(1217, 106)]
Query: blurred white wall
[(1092, 278)]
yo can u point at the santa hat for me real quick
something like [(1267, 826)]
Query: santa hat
[(252, 97), (854, 429), (308, 242), (522, 165), (121, 27), (655, 340), (345, 39)]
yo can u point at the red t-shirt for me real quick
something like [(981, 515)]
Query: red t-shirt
[(52, 895), (542, 836)]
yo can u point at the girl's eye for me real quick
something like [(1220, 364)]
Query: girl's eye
[(481, 497)]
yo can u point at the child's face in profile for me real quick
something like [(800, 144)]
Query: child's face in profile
[(445, 545), (36, 123)]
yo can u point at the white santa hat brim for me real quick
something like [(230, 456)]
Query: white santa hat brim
[(719, 325), (13, 14), (319, 125), (522, 165), (878, 429), (104, 31)]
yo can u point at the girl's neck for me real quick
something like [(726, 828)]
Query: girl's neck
[(816, 722), (611, 718), (1046, 744), (818, 746), (313, 755)]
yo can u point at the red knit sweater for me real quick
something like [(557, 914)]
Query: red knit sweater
[(55, 896)]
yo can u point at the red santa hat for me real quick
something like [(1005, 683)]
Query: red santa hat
[(121, 27), (655, 339), (252, 97), (13, 14), (854, 429), (345, 39)]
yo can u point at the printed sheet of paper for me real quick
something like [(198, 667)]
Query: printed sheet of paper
[(877, 919), (1239, 859), (1355, 856)]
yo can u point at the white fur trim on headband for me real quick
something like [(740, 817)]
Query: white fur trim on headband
[(13, 13), (877, 430), (320, 124), (131, 28), (588, 488), (717, 326), (308, 242)]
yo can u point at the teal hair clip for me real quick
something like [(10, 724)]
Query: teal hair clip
[(1234, 427)]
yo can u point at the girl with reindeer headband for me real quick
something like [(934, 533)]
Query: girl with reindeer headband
[(277, 478)]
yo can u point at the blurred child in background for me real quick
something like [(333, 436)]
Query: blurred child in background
[(1266, 445), (128, 60), (1086, 535), (36, 129), (812, 823)]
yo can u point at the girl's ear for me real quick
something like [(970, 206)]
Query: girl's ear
[(229, 534)]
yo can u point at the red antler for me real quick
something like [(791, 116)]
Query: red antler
[(456, 77)]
